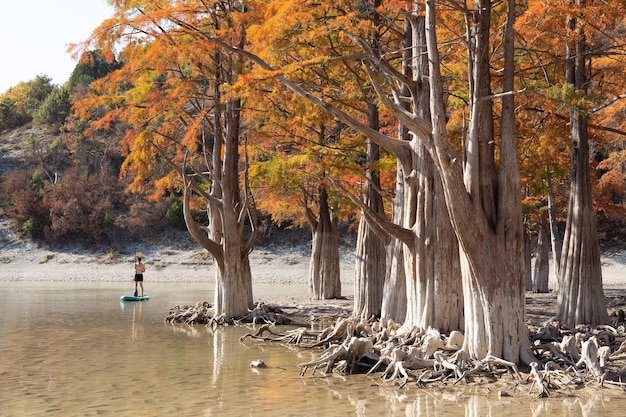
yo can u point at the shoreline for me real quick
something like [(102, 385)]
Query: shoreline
[(27, 262)]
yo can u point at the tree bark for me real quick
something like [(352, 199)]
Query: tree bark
[(371, 259), (431, 259), (528, 251), (432, 266), (394, 289), (394, 292), (324, 271), (581, 296), (541, 270)]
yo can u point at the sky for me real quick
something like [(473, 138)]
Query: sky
[(35, 34)]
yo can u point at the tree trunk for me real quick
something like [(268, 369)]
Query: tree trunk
[(581, 296), (528, 251), (233, 279), (431, 266), (541, 270), (227, 211), (370, 249), (394, 302), (489, 223), (324, 271), (233, 283), (369, 273), (394, 290), (556, 239)]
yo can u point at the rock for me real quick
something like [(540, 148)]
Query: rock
[(258, 364)]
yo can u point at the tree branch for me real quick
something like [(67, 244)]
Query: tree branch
[(379, 222), (395, 146)]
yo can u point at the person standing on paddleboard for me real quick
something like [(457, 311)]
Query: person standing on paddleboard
[(140, 268)]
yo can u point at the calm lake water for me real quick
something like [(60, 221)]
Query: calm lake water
[(72, 349)]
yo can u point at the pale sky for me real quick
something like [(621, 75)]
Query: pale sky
[(35, 34)]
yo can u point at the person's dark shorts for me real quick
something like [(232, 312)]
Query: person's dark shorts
[(138, 277)]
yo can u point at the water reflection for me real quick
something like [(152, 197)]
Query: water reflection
[(73, 350), (136, 328)]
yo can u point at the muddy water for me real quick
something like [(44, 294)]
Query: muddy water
[(72, 349)]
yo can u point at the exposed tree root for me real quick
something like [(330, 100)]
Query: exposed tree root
[(202, 313), (567, 358)]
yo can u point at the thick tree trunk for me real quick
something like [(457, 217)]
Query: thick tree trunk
[(432, 267), (581, 296), (394, 290), (233, 283), (494, 308), (489, 223), (227, 211), (483, 204), (233, 280), (371, 259), (541, 269), (324, 271), (369, 273)]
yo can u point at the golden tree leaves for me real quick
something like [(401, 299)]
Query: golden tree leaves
[(168, 80)]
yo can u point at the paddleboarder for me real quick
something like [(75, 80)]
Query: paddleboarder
[(140, 268)]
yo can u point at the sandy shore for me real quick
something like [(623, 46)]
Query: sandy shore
[(29, 263), (287, 267), (21, 261)]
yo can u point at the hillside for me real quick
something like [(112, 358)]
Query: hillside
[(16, 152), (14, 149)]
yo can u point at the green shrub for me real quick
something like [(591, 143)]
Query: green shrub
[(108, 220), (30, 227), (174, 213), (55, 108)]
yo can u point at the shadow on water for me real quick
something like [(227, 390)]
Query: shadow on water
[(75, 350)]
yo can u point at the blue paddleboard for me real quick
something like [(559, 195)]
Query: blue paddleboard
[(133, 298)]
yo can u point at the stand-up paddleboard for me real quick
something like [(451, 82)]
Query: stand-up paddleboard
[(133, 298)]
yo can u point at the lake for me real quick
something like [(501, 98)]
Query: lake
[(73, 349)]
